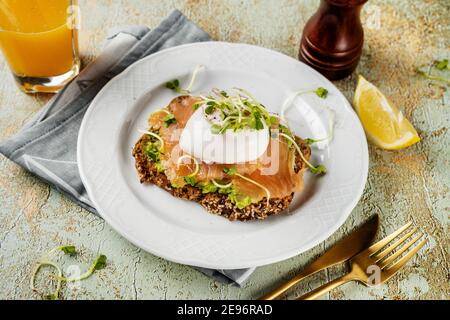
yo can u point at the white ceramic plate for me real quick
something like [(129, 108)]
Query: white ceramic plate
[(183, 231)]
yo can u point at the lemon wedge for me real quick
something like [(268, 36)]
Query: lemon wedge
[(385, 125)]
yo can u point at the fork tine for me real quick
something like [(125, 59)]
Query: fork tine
[(388, 273), (380, 244), (399, 252), (382, 254)]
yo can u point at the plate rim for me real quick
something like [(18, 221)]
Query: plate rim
[(263, 261)]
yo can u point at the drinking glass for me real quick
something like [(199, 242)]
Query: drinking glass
[(39, 40)]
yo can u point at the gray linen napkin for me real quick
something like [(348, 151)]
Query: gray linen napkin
[(47, 145)]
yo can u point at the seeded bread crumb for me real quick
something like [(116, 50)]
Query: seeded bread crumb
[(215, 203)]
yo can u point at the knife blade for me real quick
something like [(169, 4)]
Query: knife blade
[(342, 251)]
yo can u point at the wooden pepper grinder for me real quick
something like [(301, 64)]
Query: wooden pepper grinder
[(333, 38)]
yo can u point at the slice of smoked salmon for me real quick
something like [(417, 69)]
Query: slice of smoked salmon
[(277, 174)]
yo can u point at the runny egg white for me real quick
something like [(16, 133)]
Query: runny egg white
[(227, 148)]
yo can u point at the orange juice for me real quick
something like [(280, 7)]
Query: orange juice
[(36, 38)]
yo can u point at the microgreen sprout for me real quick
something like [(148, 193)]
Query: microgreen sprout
[(216, 129), (51, 296), (311, 141), (55, 294), (221, 186), (276, 119), (433, 77), (169, 119), (175, 84), (441, 66), (237, 112), (230, 171), (193, 77), (197, 165), (70, 250), (45, 261), (154, 135), (67, 249), (98, 264), (321, 92), (196, 105), (320, 169)]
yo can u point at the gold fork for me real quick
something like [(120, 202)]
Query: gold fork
[(377, 264)]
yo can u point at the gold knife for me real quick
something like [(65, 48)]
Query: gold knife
[(342, 251)]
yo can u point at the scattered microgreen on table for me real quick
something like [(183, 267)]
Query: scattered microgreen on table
[(98, 264), (46, 260), (442, 64), (438, 70)]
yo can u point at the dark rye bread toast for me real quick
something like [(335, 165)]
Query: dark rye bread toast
[(215, 203)]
